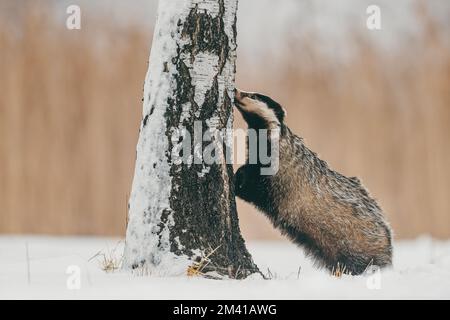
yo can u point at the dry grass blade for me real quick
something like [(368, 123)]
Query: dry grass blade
[(340, 270), (110, 260), (196, 269)]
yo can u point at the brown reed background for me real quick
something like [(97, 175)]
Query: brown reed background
[(70, 106)]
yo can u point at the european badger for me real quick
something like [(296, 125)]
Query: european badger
[(331, 216)]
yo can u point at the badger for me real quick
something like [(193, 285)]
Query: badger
[(331, 216)]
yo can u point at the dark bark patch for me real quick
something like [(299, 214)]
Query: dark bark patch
[(144, 122), (207, 34)]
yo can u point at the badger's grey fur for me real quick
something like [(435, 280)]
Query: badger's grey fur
[(333, 217)]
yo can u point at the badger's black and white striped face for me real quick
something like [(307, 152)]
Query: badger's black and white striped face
[(258, 110)]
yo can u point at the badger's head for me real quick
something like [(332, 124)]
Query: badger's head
[(259, 111)]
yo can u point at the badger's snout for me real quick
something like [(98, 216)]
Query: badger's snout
[(238, 98), (237, 94)]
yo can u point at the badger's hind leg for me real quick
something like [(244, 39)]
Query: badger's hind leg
[(357, 264), (345, 262)]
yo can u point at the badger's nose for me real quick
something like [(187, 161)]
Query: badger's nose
[(237, 94)]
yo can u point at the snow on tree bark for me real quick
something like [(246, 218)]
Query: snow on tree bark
[(180, 212)]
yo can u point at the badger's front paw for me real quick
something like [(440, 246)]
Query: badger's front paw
[(247, 183), (239, 181)]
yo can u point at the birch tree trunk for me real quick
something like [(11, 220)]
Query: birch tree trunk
[(182, 212)]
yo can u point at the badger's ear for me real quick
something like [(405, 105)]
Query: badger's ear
[(282, 114)]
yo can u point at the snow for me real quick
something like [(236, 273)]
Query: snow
[(421, 270), (152, 182), (211, 7)]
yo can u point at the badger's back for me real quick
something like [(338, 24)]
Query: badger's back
[(332, 216)]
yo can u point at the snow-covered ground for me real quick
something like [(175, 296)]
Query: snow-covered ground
[(47, 267)]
